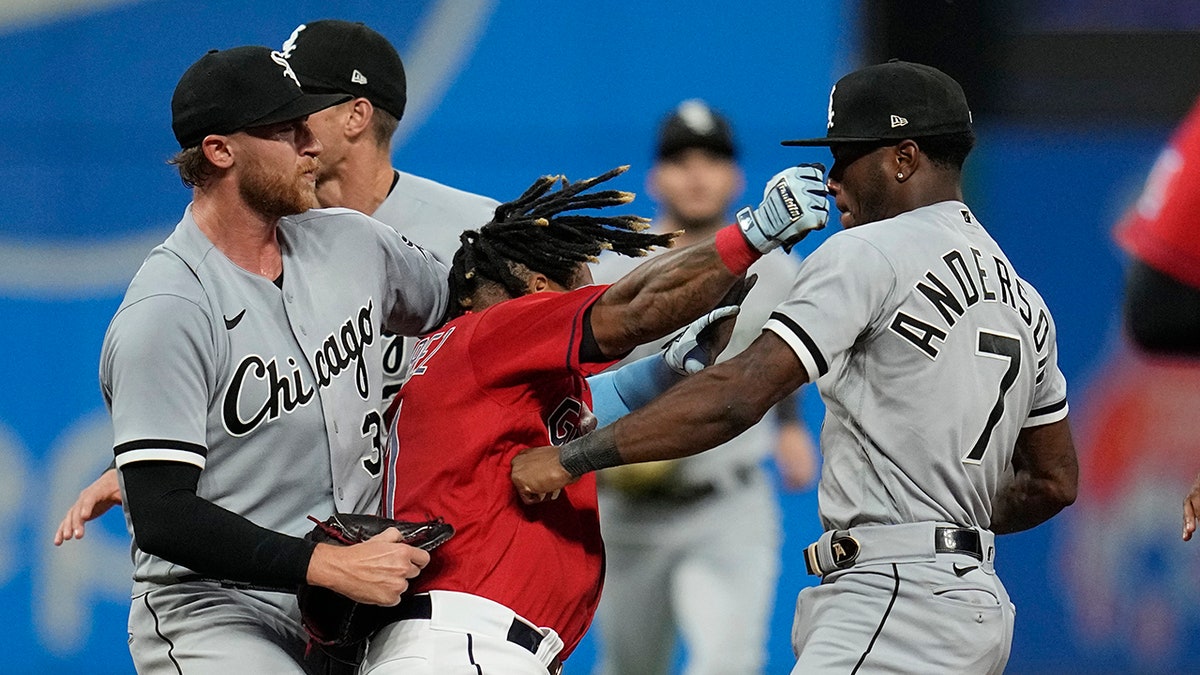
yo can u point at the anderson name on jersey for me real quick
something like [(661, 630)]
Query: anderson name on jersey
[(932, 291)]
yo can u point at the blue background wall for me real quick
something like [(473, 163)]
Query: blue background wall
[(512, 90)]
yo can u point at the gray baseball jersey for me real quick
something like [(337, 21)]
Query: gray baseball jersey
[(931, 354), (203, 360), (433, 215)]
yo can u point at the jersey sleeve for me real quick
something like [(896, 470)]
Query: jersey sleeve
[(156, 370), (838, 296), (417, 282), (1050, 387), (536, 334)]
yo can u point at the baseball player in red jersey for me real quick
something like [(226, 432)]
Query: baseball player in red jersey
[(1162, 286), (516, 588)]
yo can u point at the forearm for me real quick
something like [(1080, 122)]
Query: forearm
[(685, 420), (667, 292), (699, 413), (616, 392), (1025, 503), (1045, 478), (172, 522)]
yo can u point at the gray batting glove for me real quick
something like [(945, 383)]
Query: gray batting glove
[(794, 204), (688, 353)]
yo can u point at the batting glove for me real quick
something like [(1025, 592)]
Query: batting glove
[(688, 352), (794, 204)]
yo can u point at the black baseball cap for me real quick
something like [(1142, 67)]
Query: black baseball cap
[(334, 56), (693, 124), (234, 89), (891, 102)]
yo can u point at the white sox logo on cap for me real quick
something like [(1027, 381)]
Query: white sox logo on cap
[(290, 45), (829, 125), (279, 58)]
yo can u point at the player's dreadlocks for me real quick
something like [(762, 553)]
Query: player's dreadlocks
[(533, 232)]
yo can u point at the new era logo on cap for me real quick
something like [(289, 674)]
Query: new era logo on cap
[(357, 77), (898, 121)]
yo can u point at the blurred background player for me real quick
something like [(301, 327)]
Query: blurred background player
[(660, 520), (1162, 235), (1162, 285)]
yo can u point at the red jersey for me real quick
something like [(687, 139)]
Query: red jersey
[(1163, 229), (482, 388)]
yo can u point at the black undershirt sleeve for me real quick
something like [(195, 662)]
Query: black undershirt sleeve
[(1162, 314), (172, 522), (589, 351)]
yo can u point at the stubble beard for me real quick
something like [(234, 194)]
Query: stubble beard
[(872, 198), (275, 193)]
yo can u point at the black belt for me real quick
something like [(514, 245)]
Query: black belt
[(519, 633), (958, 540), (690, 492)]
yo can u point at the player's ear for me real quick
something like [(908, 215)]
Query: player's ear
[(652, 177), (217, 150), (537, 282), (739, 182), (360, 112), (908, 158)]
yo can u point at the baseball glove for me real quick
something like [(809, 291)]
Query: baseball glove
[(332, 620)]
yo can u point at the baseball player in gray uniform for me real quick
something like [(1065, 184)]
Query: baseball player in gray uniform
[(241, 372), (659, 525), (946, 412), (333, 56)]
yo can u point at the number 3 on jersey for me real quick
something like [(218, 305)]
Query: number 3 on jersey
[(996, 346)]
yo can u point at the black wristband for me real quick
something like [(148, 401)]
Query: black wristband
[(591, 452)]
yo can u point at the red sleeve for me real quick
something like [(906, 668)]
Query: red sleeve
[(532, 335), (1163, 228)]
